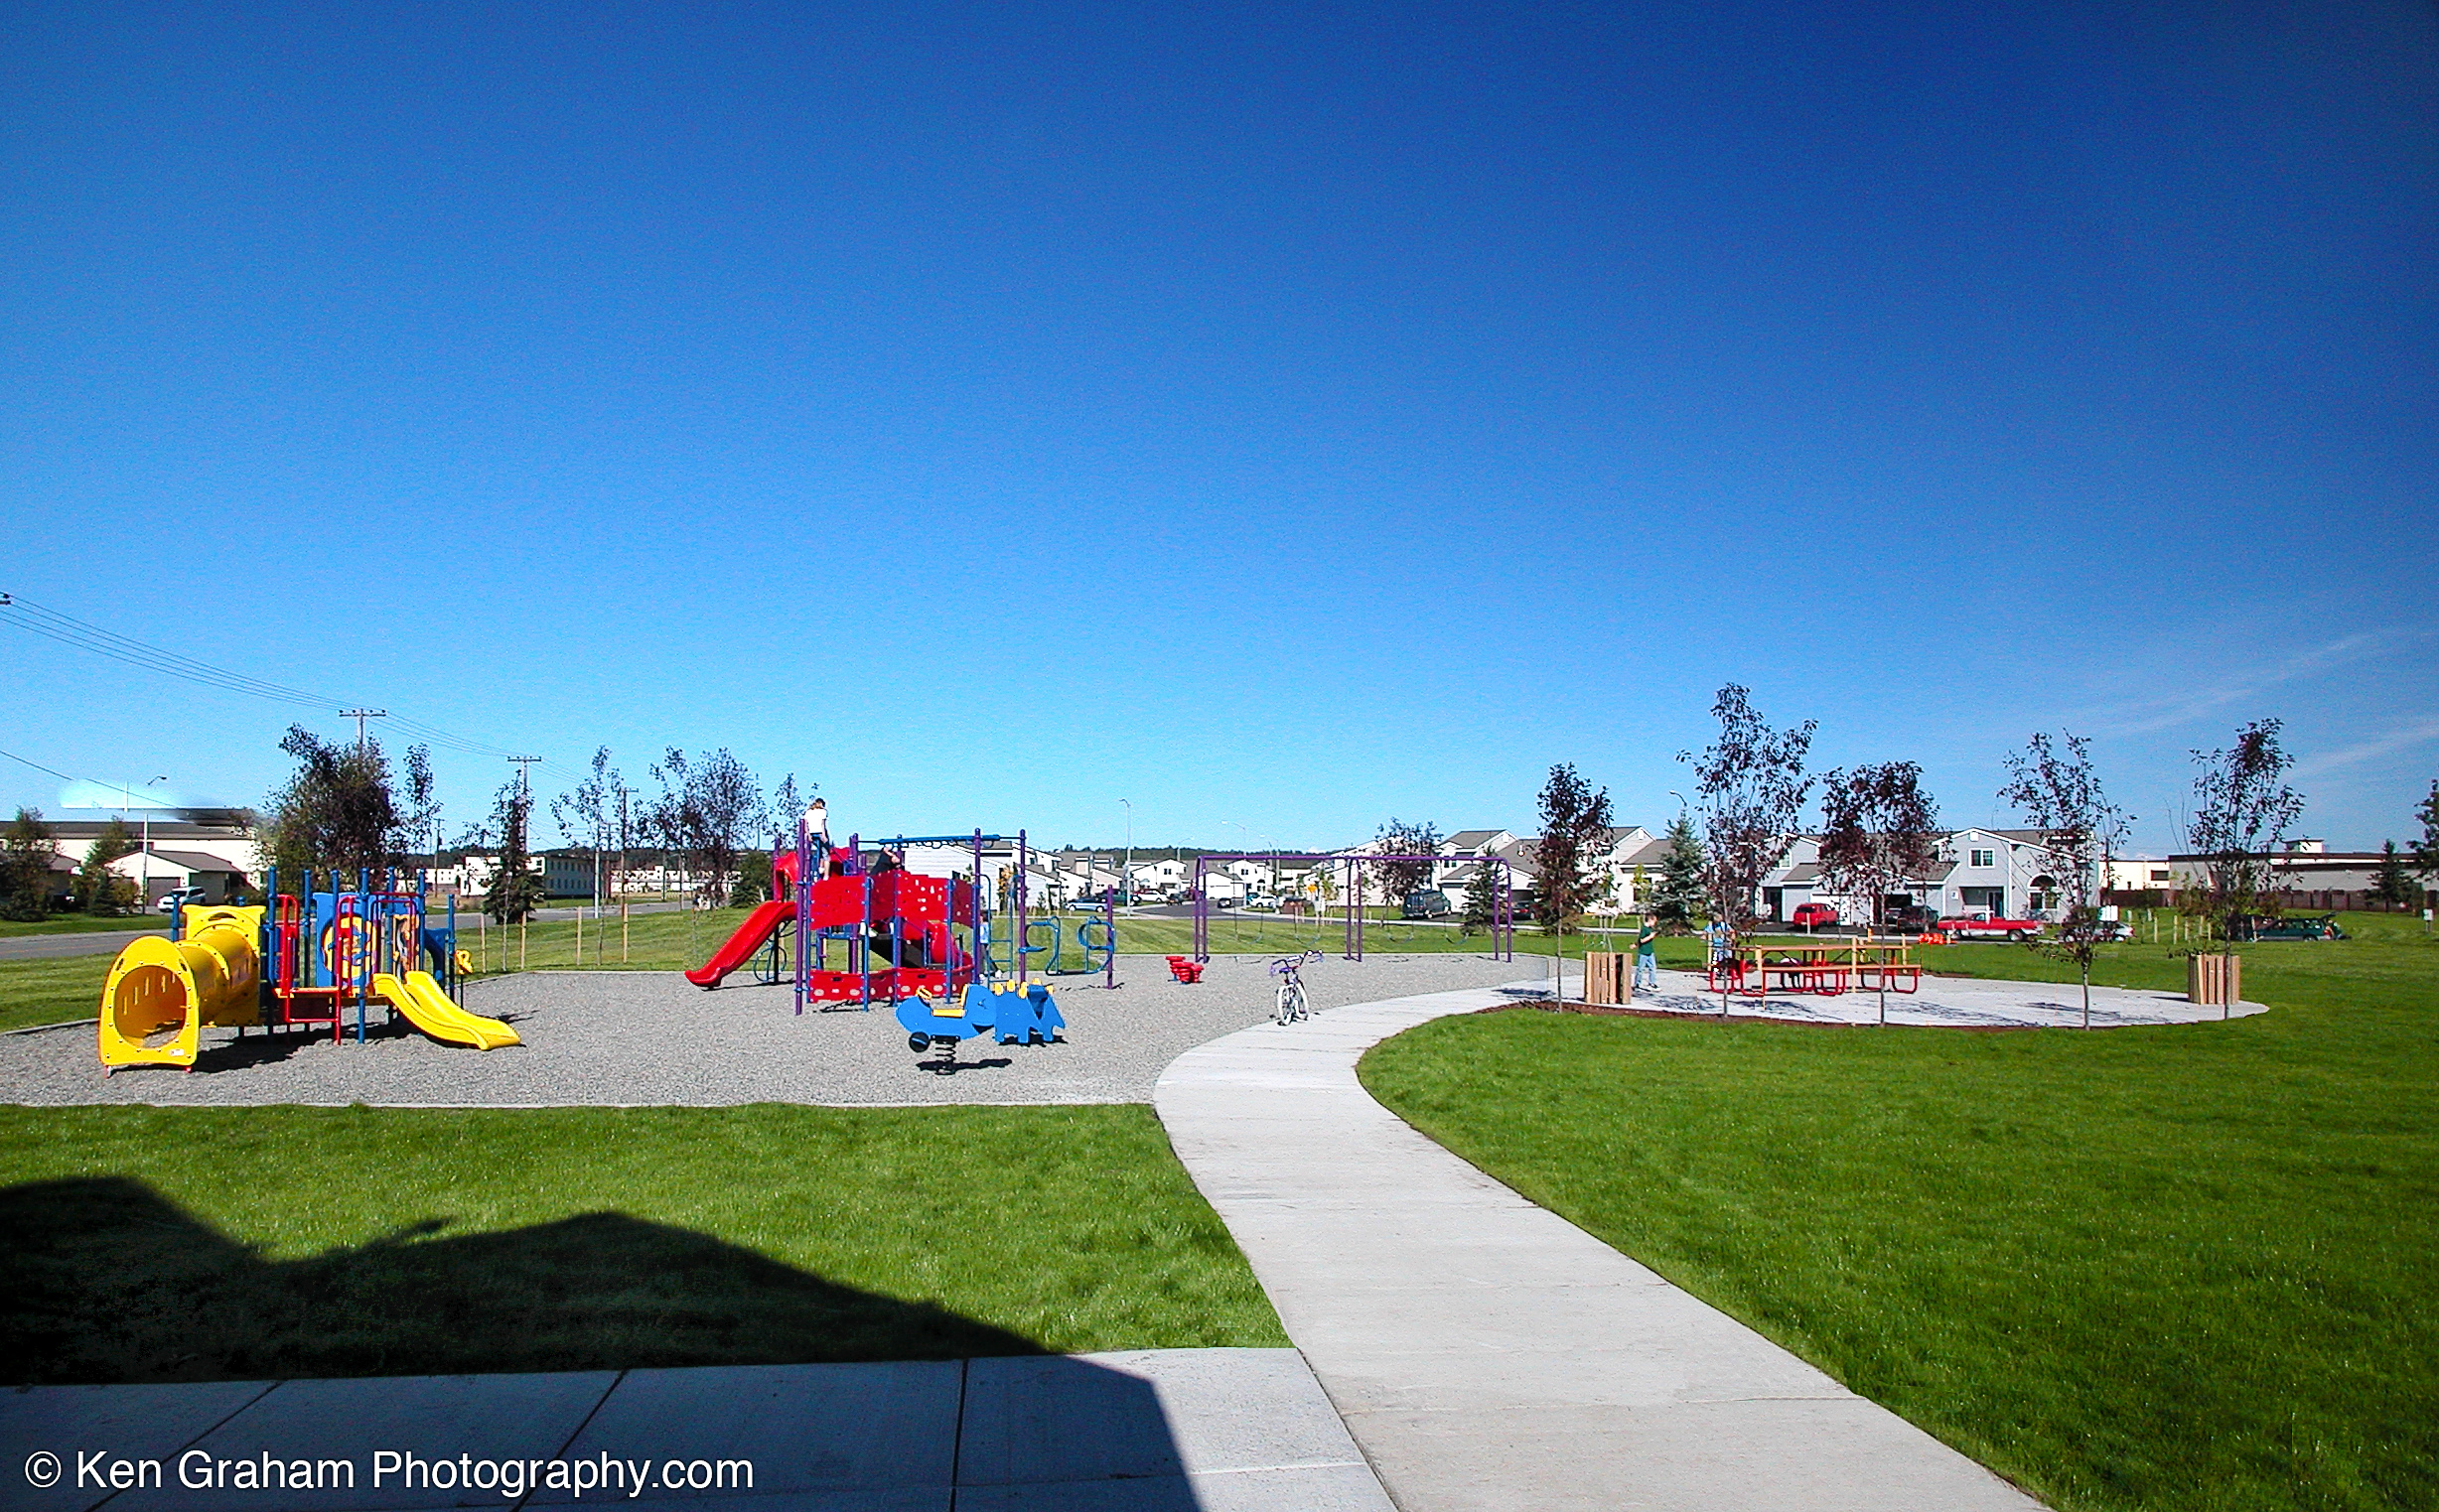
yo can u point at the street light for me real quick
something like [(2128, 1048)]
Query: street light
[(143, 861)]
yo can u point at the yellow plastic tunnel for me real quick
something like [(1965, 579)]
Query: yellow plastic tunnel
[(160, 993)]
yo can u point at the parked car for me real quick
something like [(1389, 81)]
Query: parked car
[(1809, 917), (1426, 902), (1908, 919), (2296, 926), (1984, 926), (1261, 902)]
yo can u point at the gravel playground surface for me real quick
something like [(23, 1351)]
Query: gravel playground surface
[(650, 1039)]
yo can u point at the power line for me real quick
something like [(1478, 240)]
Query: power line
[(39, 766), (359, 716), (67, 630)]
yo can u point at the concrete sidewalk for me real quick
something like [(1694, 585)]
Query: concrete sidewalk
[(1951, 1003), (1158, 1430), (1486, 1353)]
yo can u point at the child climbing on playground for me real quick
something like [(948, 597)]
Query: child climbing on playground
[(817, 839)]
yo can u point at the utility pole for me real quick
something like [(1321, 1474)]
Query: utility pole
[(524, 776), (143, 861), (359, 716)]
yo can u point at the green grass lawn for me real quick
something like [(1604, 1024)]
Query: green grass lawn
[(153, 1244), (80, 924), (60, 989), (2186, 1267)]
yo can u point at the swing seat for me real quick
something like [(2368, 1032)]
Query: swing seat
[(1184, 970)]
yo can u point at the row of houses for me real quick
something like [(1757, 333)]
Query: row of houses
[(2001, 873), (2004, 872)]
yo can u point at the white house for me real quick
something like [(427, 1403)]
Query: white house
[(2004, 873), (219, 858), (2143, 873), (957, 859), (1163, 877), (167, 870)]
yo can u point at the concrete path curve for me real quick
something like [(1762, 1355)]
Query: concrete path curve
[(1485, 1352)]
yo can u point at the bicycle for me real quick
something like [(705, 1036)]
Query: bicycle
[(1289, 1005)]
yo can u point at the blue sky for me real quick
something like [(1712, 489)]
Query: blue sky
[(1282, 417)]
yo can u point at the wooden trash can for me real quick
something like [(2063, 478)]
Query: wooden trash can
[(2215, 980), (1608, 977)]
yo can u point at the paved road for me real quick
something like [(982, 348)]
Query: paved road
[(38, 947)]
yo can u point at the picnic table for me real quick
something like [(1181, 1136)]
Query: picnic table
[(1827, 968)]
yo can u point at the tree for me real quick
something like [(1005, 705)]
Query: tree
[(1677, 899), (418, 810), (587, 813), (100, 890), (2059, 793), (753, 884), (1753, 789), (2243, 809), (1880, 831), (515, 889), (706, 811), (335, 809), (2392, 883), (26, 849), (1482, 898), (1398, 838), (2426, 849), (788, 806), (1574, 819)]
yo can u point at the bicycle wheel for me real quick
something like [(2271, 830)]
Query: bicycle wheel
[(1281, 1004), (1304, 1009)]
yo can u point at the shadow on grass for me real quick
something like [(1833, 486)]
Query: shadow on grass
[(113, 1282)]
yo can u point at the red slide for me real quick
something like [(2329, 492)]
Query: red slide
[(748, 939)]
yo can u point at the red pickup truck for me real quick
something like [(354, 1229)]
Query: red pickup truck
[(1984, 927)]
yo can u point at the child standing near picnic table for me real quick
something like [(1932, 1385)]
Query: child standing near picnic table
[(1647, 961), (1722, 941)]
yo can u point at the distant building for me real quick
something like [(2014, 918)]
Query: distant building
[(2004, 873), (222, 860)]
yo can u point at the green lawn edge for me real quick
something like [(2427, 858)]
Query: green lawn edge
[(178, 1244), (2183, 1267)]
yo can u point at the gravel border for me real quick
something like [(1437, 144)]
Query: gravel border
[(622, 1038)]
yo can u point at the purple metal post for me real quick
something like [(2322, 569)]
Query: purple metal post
[(1020, 906), (1354, 943), (1110, 907), (1202, 915), (1201, 900), (863, 939)]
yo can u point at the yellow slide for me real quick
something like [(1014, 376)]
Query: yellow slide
[(428, 1008)]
